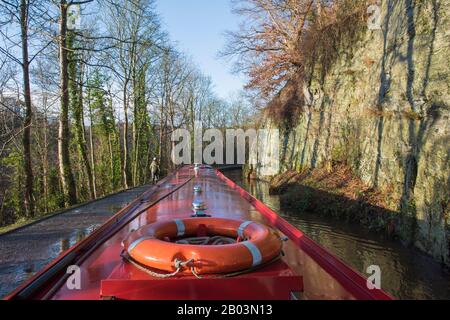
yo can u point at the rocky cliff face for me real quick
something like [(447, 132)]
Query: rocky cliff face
[(383, 107)]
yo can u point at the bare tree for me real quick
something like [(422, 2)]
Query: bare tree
[(65, 169), (136, 31), (268, 44), (23, 13), (118, 74)]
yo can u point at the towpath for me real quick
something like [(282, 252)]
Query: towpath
[(26, 250)]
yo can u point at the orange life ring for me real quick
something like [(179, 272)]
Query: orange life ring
[(147, 247)]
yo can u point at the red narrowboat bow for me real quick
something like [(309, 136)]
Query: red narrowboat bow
[(233, 248)]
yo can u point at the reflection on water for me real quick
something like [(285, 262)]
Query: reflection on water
[(115, 207), (28, 250), (65, 244), (406, 273), (22, 271)]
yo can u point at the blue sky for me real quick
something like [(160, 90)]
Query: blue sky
[(197, 27)]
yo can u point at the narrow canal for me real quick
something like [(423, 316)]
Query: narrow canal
[(406, 272)]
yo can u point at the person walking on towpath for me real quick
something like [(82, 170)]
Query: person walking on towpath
[(154, 170)]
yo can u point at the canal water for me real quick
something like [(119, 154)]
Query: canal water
[(406, 272)]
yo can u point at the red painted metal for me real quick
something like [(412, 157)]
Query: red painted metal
[(306, 266), (270, 283)]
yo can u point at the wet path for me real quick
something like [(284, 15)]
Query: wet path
[(27, 250)]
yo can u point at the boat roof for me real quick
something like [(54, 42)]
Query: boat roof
[(306, 270)]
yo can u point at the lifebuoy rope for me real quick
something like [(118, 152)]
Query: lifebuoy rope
[(177, 263), (213, 241), (180, 264)]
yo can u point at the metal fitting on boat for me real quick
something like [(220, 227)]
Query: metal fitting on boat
[(198, 205), (199, 208), (196, 169)]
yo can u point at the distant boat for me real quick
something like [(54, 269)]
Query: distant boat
[(197, 236)]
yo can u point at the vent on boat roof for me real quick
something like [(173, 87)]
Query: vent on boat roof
[(199, 208)]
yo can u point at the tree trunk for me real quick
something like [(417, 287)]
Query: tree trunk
[(112, 144), (77, 109), (161, 135), (135, 126), (65, 169), (91, 144), (126, 165), (45, 161), (27, 165), (138, 91), (172, 143), (111, 161)]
